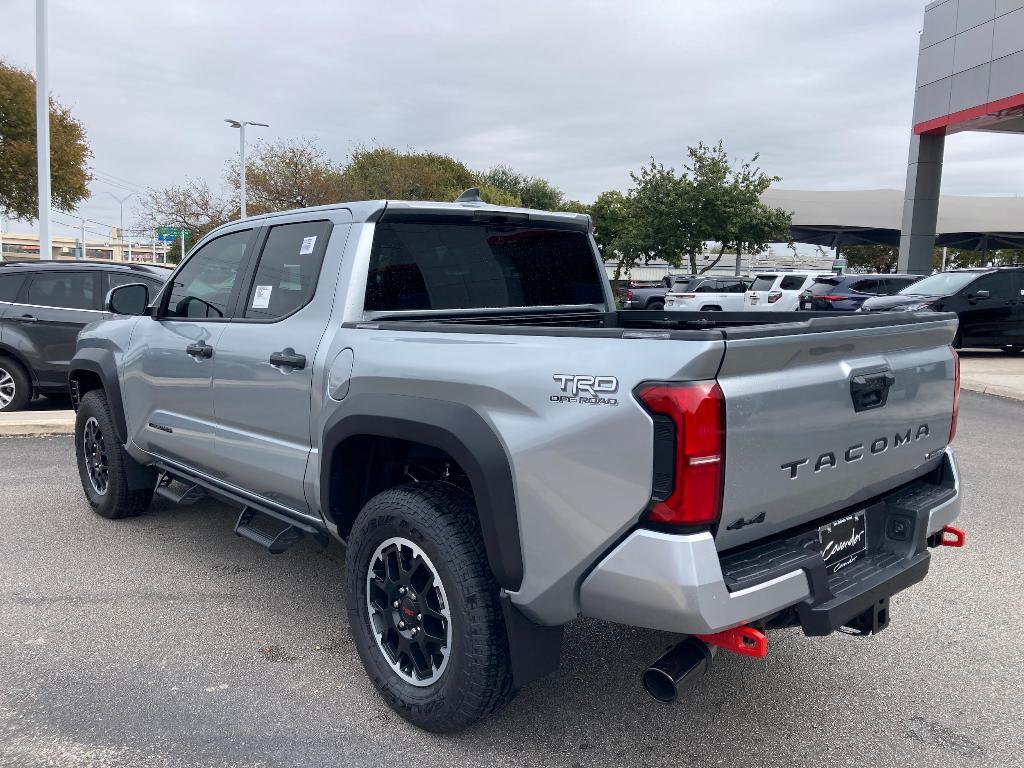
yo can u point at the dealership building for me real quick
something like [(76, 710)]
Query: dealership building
[(970, 77)]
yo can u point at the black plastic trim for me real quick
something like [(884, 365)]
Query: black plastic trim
[(460, 432), (101, 362)]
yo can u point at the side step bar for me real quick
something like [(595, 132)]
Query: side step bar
[(275, 533), (192, 492)]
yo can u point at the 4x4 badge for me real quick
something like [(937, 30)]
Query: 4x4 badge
[(739, 522)]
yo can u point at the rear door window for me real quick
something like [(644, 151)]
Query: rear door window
[(867, 286), (792, 282), (891, 285), (10, 285), (419, 264), (763, 282), (66, 290), (288, 270), (707, 286)]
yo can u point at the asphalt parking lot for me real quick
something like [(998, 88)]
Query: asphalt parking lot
[(166, 641)]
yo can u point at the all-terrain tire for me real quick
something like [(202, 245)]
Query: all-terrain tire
[(440, 520), (96, 436), (15, 385)]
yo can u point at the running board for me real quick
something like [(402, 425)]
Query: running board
[(191, 493), (275, 533)]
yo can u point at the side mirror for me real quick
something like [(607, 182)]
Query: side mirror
[(981, 294), (131, 299)]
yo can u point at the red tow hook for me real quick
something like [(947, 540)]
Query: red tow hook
[(746, 641), (951, 536)]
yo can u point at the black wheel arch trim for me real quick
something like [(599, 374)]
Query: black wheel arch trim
[(459, 431), (101, 362)]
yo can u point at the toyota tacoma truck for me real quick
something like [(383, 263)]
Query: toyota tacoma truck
[(447, 390)]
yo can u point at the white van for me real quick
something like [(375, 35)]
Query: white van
[(777, 291)]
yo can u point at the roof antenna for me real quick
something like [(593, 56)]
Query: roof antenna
[(471, 195)]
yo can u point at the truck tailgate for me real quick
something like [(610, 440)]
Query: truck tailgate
[(805, 433)]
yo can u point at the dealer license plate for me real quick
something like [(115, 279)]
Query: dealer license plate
[(843, 542)]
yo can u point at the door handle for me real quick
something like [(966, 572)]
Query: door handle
[(288, 358), (28, 319), (199, 349), (871, 390)]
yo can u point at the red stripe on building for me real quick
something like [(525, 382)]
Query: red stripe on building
[(992, 109)]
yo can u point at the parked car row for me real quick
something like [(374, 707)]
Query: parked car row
[(988, 301)]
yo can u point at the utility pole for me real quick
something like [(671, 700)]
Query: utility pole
[(153, 246), (82, 256), (240, 125), (182, 244), (43, 131)]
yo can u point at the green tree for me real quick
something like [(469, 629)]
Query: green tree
[(384, 172), (874, 258), (289, 173), (612, 216), (69, 150), (673, 215), (532, 192)]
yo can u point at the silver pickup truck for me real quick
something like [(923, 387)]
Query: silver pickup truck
[(448, 390)]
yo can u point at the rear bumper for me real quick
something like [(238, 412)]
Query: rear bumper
[(680, 583)]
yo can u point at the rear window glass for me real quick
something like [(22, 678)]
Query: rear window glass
[(426, 265), (792, 282), (824, 286), (9, 286), (763, 282)]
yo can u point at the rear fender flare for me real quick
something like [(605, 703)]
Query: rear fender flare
[(463, 434)]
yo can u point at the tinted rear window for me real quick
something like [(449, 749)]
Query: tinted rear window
[(426, 265), (792, 282), (824, 286), (763, 282)]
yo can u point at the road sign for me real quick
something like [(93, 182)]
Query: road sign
[(170, 234)]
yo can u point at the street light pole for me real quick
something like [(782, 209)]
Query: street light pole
[(240, 125), (43, 131), (121, 202)]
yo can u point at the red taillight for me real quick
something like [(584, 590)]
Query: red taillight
[(697, 411), (956, 394), (830, 297), (774, 296), (629, 295)]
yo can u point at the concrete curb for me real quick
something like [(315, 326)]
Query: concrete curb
[(37, 423), (983, 388)]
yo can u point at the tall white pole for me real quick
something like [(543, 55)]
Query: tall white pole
[(43, 131), (241, 156), (153, 246), (183, 244), (82, 233)]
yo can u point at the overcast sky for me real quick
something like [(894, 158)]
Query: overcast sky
[(577, 92)]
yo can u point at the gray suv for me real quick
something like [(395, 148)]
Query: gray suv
[(43, 306), (448, 390)]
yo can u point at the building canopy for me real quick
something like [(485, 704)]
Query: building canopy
[(873, 217)]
